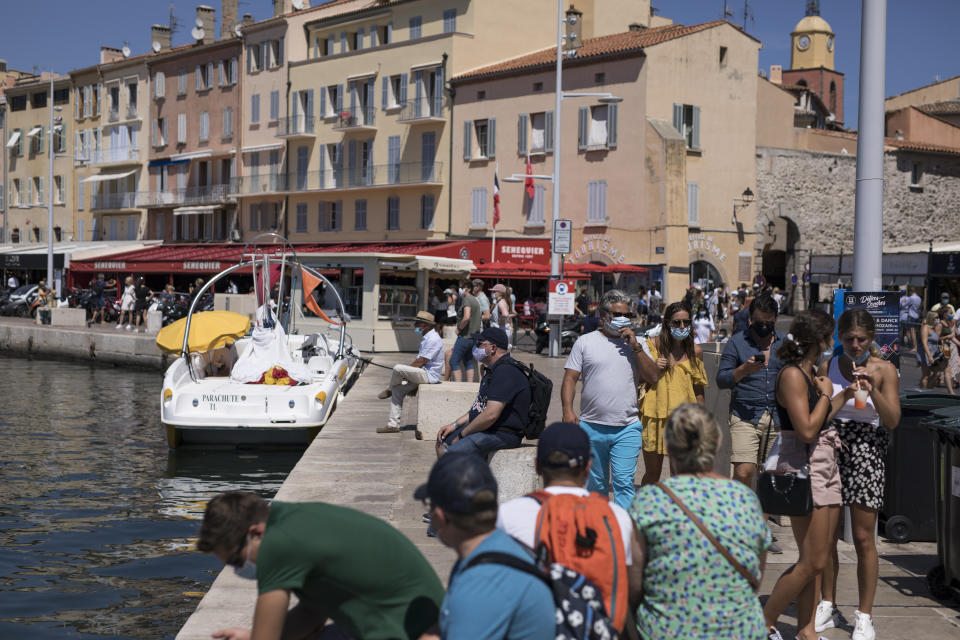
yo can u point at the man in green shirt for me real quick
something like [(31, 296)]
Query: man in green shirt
[(343, 565)]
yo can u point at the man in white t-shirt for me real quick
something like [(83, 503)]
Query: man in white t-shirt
[(426, 369)]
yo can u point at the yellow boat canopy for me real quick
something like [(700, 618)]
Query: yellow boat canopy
[(209, 330)]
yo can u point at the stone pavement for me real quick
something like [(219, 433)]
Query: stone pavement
[(350, 464)]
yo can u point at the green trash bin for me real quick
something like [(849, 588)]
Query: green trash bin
[(944, 579), (909, 508)]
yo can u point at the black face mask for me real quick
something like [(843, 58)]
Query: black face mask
[(762, 329)]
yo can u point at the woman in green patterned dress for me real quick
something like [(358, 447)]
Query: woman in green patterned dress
[(689, 589)]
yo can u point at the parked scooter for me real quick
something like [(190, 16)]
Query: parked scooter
[(22, 302)]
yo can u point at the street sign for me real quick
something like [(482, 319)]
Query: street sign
[(562, 297), (562, 236)]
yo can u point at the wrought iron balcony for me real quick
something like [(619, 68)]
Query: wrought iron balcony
[(422, 110), (119, 155), (371, 176), (100, 201), (210, 194), (300, 126), (356, 118)]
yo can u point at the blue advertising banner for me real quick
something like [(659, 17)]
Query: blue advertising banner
[(884, 306)]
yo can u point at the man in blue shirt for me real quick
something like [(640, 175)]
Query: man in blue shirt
[(749, 367), (490, 601)]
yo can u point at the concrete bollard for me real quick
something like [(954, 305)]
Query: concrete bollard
[(154, 321), (67, 317), (441, 403), (515, 471)]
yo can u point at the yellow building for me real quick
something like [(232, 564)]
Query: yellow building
[(27, 149), (368, 110), (654, 164)]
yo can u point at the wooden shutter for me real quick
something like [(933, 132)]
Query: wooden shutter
[(438, 91), (492, 138), (695, 133), (339, 99), (385, 89), (548, 125), (417, 105), (198, 78), (309, 109), (523, 124), (323, 102), (693, 204), (467, 139), (404, 79), (583, 128), (678, 117), (612, 111)]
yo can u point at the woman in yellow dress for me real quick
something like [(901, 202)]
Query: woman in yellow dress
[(672, 367)]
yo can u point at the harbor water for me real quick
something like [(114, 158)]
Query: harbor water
[(97, 516)]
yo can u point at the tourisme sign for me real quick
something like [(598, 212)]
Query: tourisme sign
[(562, 298)]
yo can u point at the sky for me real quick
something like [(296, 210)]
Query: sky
[(922, 44)]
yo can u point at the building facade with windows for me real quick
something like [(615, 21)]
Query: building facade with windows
[(651, 168), (194, 105), (27, 149)]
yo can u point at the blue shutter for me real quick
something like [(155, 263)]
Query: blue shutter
[(583, 128), (548, 125), (403, 89), (467, 139), (323, 102), (695, 136), (438, 91), (309, 119), (322, 182), (255, 108), (492, 138), (343, 41), (294, 106), (369, 179), (678, 117), (249, 58), (522, 126), (428, 146), (385, 89), (352, 88), (393, 159), (352, 162), (339, 99), (264, 54), (361, 34), (371, 109), (417, 106), (339, 164), (612, 110)]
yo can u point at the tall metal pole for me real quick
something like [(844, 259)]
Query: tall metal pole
[(6, 185), (50, 283), (868, 220), (557, 118)]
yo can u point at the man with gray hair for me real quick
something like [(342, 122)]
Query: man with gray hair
[(606, 362)]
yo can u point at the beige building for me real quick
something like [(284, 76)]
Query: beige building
[(650, 174), (27, 150), (366, 119)]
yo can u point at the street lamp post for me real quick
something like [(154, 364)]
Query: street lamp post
[(50, 151), (557, 119)]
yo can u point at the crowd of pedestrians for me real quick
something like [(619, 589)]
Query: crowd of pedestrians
[(680, 557)]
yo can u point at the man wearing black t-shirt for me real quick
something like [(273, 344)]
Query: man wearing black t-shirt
[(499, 413)]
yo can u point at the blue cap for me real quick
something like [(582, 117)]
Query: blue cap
[(455, 481), (567, 438), (494, 335)]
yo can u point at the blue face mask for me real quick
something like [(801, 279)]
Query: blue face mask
[(680, 334), (418, 331), (858, 361), (249, 569), (620, 322), (479, 353)]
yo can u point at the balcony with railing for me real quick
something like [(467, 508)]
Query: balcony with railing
[(132, 112), (356, 119), (424, 110), (114, 201), (210, 194), (112, 155), (300, 126), (366, 177), (113, 114)]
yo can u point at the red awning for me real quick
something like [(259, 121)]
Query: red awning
[(521, 271)]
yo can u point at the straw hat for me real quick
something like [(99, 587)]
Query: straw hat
[(426, 316)]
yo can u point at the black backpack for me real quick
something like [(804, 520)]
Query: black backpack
[(541, 387), (581, 614)]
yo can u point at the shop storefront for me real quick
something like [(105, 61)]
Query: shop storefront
[(916, 269)]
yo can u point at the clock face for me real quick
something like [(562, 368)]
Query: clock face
[(803, 43), (830, 43)]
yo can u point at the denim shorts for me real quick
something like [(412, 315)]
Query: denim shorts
[(462, 351), (483, 442)]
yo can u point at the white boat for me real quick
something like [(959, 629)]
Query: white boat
[(263, 388)]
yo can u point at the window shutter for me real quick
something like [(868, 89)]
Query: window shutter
[(492, 138), (309, 109), (294, 104), (343, 42), (678, 117), (323, 102), (182, 127), (76, 140), (417, 106), (548, 125), (361, 34), (322, 157), (197, 78), (255, 107), (612, 110), (693, 204), (368, 116), (339, 164), (352, 161), (76, 102), (163, 131), (403, 89), (352, 88), (249, 62), (99, 90), (339, 99), (233, 70), (583, 129), (389, 33), (467, 139), (522, 126), (385, 88), (437, 91), (695, 136), (209, 82), (264, 54), (339, 220), (221, 72)]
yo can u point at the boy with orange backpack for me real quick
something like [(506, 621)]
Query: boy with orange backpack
[(567, 524)]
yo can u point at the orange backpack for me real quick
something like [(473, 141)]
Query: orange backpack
[(582, 533)]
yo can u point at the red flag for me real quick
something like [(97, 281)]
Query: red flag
[(496, 199), (310, 282), (528, 183)]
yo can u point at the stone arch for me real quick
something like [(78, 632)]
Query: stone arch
[(706, 270)]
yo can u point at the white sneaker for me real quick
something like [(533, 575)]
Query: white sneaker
[(863, 629), (824, 618), (119, 326), (129, 327), (773, 634)]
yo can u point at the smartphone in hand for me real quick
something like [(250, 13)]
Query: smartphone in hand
[(760, 358)]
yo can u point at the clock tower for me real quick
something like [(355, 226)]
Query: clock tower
[(811, 60)]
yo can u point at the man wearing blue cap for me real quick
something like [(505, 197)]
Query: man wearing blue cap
[(486, 600), (500, 411)]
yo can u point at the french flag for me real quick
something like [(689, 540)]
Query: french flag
[(496, 199)]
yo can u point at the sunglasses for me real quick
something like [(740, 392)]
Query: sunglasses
[(764, 325), (617, 314), (679, 323)]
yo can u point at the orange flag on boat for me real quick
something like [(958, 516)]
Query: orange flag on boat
[(311, 282)]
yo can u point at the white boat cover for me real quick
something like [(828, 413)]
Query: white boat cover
[(268, 349)]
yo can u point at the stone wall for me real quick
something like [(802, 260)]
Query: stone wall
[(816, 191)]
